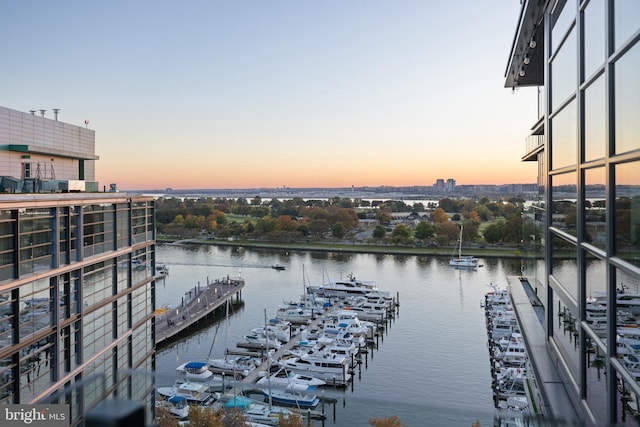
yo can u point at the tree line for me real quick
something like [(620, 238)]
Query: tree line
[(388, 222)]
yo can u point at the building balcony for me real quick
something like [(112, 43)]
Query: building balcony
[(534, 146)]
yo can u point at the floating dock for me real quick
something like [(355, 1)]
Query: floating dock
[(197, 304)]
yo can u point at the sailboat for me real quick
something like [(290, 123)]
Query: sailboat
[(462, 261)]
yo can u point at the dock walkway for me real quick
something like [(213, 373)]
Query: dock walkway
[(197, 304)]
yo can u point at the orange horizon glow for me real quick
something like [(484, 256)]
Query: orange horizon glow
[(235, 177)]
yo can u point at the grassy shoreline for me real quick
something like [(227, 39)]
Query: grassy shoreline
[(493, 252)]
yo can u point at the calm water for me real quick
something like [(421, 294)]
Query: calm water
[(432, 363)]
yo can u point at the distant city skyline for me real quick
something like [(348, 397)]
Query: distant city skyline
[(264, 94)]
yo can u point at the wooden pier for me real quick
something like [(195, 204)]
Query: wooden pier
[(197, 304)]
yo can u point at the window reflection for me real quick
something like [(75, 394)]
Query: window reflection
[(627, 93), (627, 401), (595, 118), (563, 202), (564, 72), (595, 207), (565, 334), (596, 304), (564, 137), (564, 267), (627, 211), (594, 36), (626, 22), (562, 20)]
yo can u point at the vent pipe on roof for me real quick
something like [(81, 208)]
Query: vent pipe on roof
[(33, 112), (55, 114), (42, 112)]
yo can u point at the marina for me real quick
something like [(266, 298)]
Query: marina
[(404, 372), (323, 350)]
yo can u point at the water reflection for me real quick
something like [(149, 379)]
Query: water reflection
[(433, 354)]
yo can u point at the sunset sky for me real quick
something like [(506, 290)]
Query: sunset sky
[(262, 93)]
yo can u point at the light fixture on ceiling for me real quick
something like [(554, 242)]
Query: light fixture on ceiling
[(527, 59), (532, 43), (522, 72)]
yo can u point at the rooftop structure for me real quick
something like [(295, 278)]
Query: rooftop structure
[(76, 273)]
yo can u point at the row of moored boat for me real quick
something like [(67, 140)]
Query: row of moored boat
[(314, 342), (507, 355)]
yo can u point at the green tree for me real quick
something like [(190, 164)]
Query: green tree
[(318, 226), (401, 230), (338, 230), (266, 225), (401, 235), (424, 230), (470, 231), (379, 232), (492, 234)]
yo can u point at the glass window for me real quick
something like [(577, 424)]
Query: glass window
[(565, 334), (626, 22), (7, 382), (625, 404), (595, 207), (564, 137), (627, 108), (596, 304), (562, 20), (594, 36), (35, 307), (564, 266), (595, 121), (563, 202), (596, 382), (627, 211), (36, 236), (36, 367), (564, 72), (98, 283), (7, 245), (7, 318)]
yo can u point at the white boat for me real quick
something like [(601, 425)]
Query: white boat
[(262, 338), (344, 288), (284, 378), (460, 260), (280, 328), (195, 371), (512, 351), (257, 412), (625, 301), (297, 396), (176, 405), (194, 393), (294, 314), (332, 369), (240, 366)]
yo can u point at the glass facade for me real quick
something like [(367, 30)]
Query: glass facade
[(592, 153), (68, 315)]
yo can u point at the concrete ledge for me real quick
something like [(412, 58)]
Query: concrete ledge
[(557, 404)]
